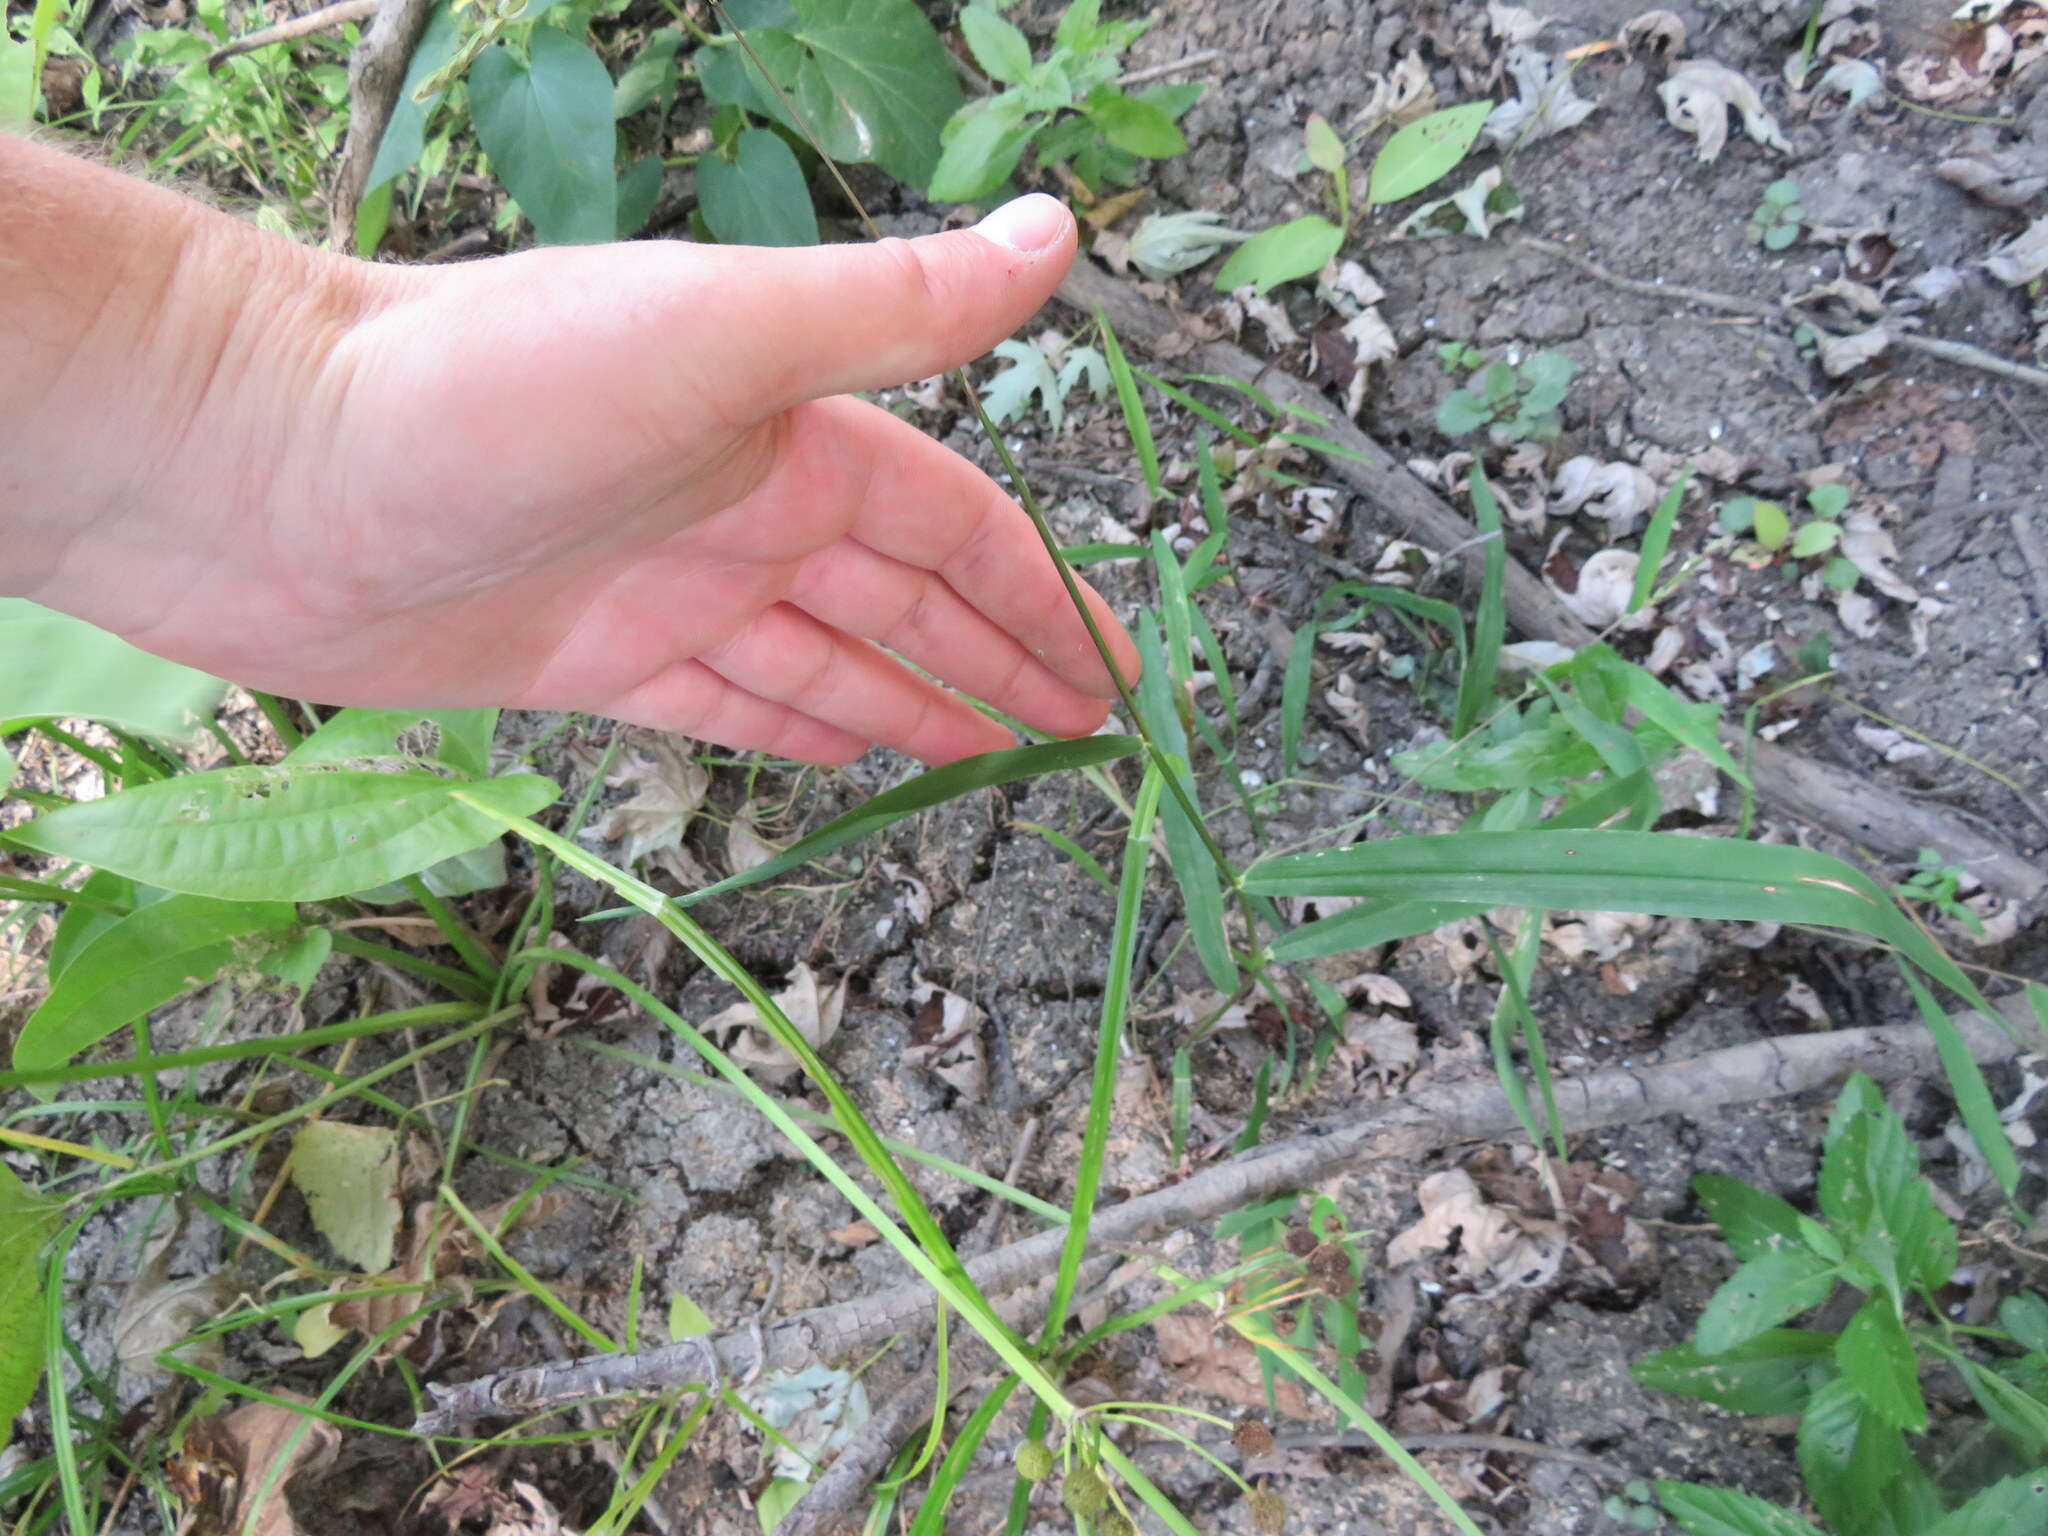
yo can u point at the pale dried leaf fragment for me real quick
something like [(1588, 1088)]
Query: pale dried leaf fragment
[(1660, 31), (669, 789), (1495, 1245), (1280, 331), (1388, 1042), (948, 1039), (2009, 178), (1867, 545), (1699, 94), (1372, 341), (159, 1313), (1544, 102), (913, 896), (1403, 94), (1477, 211), (1845, 354), (2022, 258), (1615, 493), (1512, 24), (744, 847), (1210, 1357), (1606, 584), (236, 1469), (812, 1008), (349, 1176)]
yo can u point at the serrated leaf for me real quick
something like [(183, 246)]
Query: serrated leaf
[(54, 666), (869, 77), (281, 833), (1875, 1200), (1848, 1457), (1752, 1222), (1003, 52), (982, 146), (1704, 1511), (138, 962), (1763, 1293), (1773, 1373), (1876, 1355), (2017, 1506), (1281, 254), (22, 1223), (349, 1176), (1425, 151), (758, 198), (1133, 126), (546, 123), (921, 793)]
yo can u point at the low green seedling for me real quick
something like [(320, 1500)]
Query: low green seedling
[(1866, 1436), (1770, 533), (1065, 106), (1635, 1507), (1779, 216), (1938, 883), (1048, 376), (1514, 403)]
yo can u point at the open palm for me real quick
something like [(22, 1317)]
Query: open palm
[(629, 480)]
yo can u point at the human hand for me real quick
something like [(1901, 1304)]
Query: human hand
[(620, 479)]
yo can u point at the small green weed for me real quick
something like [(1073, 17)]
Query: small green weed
[(1938, 883), (1769, 534), (1857, 1391), (1514, 403), (1049, 369), (1066, 105), (1779, 216)]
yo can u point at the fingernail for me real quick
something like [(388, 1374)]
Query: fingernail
[(1029, 224)]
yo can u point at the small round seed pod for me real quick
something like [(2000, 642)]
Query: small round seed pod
[(1269, 1512), (1252, 1437), (1084, 1492), (1034, 1461)]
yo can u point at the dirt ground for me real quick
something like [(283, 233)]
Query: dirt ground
[(971, 900)]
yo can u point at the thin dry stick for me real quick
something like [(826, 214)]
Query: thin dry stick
[(1410, 1127), (336, 15), (1958, 352), (1833, 799), (1161, 71)]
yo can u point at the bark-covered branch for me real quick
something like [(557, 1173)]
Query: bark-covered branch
[(1420, 1122)]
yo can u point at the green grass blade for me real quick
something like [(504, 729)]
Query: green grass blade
[(1194, 868), (931, 1512), (1133, 406), (1090, 865), (1194, 407), (1201, 566), (1657, 540), (1966, 1079), (922, 793), (1367, 925), (1489, 622), (1116, 994), (1325, 618)]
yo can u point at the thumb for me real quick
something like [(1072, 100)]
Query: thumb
[(800, 324)]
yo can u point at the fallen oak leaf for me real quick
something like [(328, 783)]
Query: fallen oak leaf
[(232, 1472), (1698, 96)]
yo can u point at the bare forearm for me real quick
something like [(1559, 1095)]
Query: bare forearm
[(125, 311)]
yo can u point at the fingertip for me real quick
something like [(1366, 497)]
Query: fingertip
[(1029, 226)]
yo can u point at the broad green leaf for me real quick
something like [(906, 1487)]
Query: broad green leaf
[(23, 1219), (2020, 1416), (282, 833), (1830, 500), (1875, 1354), (1704, 1511), (999, 48), (405, 131), (686, 1320), (652, 72), (982, 146), (297, 961), (1281, 254), (1763, 1293), (1815, 539), (1325, 149), (923, 792), (459, 738), (349, 1175), (1773, 1373), (1134, 126), (2025, 1317), (156, 953), (760, 199), (464, 874), (2018, 1506), (1462, 411), (1848, 1457), (639, 191), (1873, 1196), (776, 1501), (1752, 1222), (1693, 725), (1425, 151), (53, 666), (1771, 526), (1077, 24), (81, 923), (547, 126), (869, 77)]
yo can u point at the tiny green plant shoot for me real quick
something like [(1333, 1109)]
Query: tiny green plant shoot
[(1864, 1447), (1766, 534), (1778, 217), (1514, 402)]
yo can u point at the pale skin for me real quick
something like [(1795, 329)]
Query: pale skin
[(625, 479)]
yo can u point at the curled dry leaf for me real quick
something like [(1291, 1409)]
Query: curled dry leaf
[(1496, 1247), (1484, 204), (1606, 583), (1512, 24), (1544, 102), (1376, 988), (1699, 94), (913, 896), (1372, 341), (669, 789), (1212, 1358), (1403, 94), (1351, 711), (349, 1176), (231, 1473), (744, 849), (814, 1009), (947, 1040), (1845, 354), (2022, 258), (1272, 319), (159, 1313), (1615, 493), (1387, 1044), (1866, 545), (2007, 178), (1658, 31)]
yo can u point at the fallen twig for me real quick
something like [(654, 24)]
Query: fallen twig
[(1408, 1127), (1160, 71), (1958, 352), (1836, 800), (339, 14), (376, 74)]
